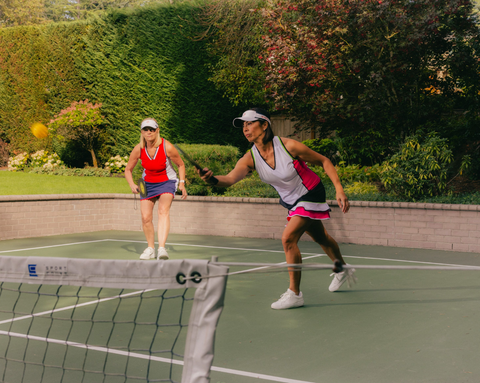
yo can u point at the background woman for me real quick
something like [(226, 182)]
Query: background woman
[(157, 155), (281, 162)]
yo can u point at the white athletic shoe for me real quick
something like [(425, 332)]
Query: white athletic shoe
[(162, 253), (288, 300), (340, 278), (148, 253)]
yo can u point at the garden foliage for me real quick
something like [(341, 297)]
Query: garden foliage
[(419, 169), (41, 159), (326, 147), (79, 122), (219, 159), (373, 71), (138, 63)]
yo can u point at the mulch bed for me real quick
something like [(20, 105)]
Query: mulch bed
[(463, 185)]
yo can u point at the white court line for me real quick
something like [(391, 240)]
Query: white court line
[(52, 246), (74, 306), (281, 251), (149, 357), (235, 248)]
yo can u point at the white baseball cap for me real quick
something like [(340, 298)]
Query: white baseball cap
[(149, 123), (250, 115)]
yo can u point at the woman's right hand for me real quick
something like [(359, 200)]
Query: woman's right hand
[(205, 175), (134, 189)]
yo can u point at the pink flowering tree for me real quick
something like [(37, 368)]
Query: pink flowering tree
[(79, 122), (371, 70)]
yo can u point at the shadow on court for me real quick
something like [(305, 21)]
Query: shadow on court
[(393, 326)]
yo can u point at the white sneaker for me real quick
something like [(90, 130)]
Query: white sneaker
[(148, 253), (340, 278), (288, 300), (162, 253)]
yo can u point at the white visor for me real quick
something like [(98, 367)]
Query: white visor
[(149, 123), (249, 115)]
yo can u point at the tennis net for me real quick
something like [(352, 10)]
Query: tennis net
[(83, 320)]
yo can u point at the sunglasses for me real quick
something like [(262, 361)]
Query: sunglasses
[(149, 129)]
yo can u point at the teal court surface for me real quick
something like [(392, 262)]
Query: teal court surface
[(392, 326)]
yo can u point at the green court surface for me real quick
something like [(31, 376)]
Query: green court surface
[(392, 326)]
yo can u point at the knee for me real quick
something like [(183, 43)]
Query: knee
[(163, 211), (146, 219), (288, 242)]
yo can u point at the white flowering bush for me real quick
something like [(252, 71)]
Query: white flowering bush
[(42, 159), (19, 162), (117, 164)]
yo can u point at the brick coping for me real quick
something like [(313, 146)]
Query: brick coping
[(373, 204)]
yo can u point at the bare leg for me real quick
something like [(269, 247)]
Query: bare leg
[(164, 204), (146, 208), (319, 234), (291, 235)]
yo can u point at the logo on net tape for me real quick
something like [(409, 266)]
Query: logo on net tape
[(50, 270), (32, 270)]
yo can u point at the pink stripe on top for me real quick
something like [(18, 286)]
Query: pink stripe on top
[(308, 176)]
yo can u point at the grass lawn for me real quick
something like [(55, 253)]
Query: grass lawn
[(12, 183)]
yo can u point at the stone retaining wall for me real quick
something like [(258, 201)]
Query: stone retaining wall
[(413, 225)]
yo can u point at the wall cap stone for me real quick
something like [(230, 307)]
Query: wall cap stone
[(376, 204)]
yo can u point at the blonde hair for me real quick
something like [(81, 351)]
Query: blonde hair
[(158, 139)]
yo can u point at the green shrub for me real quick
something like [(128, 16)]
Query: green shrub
[(253, 187), (349, 174), (359, 187), (419, 169), (326, 147), (219, 159)]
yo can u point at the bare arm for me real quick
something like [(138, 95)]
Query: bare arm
[(173, 154), (242, 168), (132, 162), (303, 152)]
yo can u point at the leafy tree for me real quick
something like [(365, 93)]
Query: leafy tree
[(70, 10), (21, 12), (30, 12), (79, 122), (371, 70), (234, 29)]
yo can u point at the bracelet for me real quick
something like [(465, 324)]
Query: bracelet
[(181, 181)]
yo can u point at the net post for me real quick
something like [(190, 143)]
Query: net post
[(206, 310)]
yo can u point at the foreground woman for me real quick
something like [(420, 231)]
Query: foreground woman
[(281, 162)]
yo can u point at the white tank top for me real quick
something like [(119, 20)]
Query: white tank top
[(290, 177)]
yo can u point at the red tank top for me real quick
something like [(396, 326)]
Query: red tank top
[(159, 167)]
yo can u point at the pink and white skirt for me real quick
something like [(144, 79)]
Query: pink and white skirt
[(312, 210)]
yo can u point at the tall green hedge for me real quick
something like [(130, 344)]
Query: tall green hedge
[(38, 78), (138, 63)]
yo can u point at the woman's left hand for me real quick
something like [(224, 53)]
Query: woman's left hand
[(182, 187), (342, 200)]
